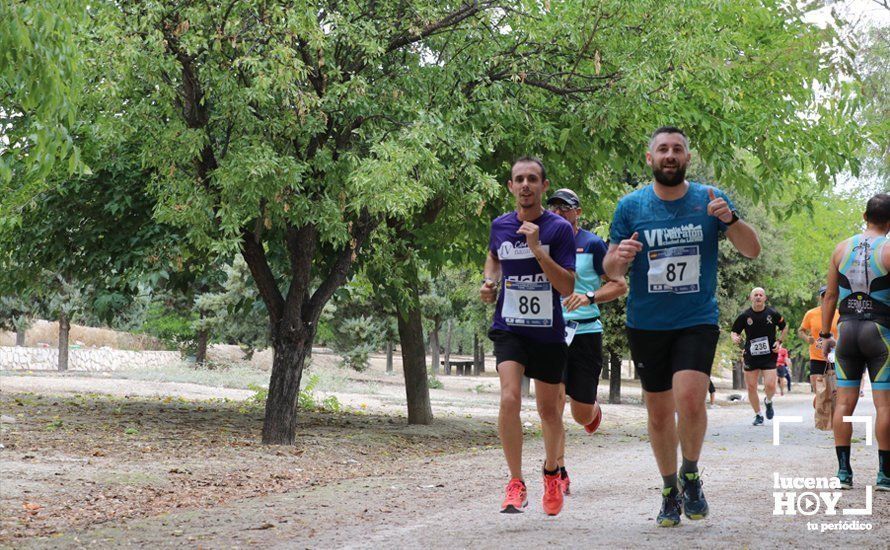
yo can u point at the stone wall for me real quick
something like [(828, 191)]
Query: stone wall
[(92, 359)]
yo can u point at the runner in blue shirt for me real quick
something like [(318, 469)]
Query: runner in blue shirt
[(584, 330), (531, 257), (666, 235)]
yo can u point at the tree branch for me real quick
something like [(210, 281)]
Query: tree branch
[(253, 253), (301, 244), (468, 10), (339, 271)]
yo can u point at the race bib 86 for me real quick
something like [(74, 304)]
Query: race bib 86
[(528, 303)]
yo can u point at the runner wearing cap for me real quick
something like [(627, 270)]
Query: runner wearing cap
[(666, 235), (809, 332), (531, 257), (584, 330)]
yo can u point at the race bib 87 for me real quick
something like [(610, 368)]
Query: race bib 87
[(528, 303), (674, 269)]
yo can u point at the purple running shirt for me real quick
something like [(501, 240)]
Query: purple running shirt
[(528, 305)]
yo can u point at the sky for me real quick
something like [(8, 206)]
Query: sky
[(864, 12)]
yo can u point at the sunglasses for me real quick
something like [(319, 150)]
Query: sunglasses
[(561, 207)]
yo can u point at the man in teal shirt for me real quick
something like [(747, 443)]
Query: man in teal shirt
[(584, 330)]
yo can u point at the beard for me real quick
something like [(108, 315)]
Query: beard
[(678, 177)]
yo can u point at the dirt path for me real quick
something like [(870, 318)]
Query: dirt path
[(451, 501)]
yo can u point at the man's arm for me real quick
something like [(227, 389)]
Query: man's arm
[(781, 339), (805, 335), (611, 290), (736, 337), (744, 238), (620, 256), (492, 278), (738, 326), (562, 279), (606, 293), (829, 302)]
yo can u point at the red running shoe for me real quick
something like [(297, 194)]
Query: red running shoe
[(553, 499), (595, 423), (516, 499)]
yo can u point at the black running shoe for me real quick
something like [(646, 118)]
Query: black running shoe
[(758, 420), (669, 516), (769, 410), (694, 504)]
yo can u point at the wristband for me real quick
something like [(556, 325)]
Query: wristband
[(735, 218), (825, 335)]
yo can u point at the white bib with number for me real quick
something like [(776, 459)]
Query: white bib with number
[(528, 303), (760, 346), (675, 269)]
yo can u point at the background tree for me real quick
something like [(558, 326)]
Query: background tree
[(16, 315), (874, 60), (40, 83), (290, 135), (234, 315)]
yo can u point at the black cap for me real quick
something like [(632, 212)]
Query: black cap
[(822, 290), (567, 196)]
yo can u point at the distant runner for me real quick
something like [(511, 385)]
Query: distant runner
[(759, 323), (809, 330)]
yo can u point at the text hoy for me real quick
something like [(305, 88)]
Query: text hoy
[(808, 502)]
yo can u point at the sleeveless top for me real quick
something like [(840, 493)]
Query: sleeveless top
[(864, 283)]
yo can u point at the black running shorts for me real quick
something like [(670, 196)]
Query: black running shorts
[(544, 361), (659, 354), (862, 348), (584, 366), (764, 366), (817, 367)]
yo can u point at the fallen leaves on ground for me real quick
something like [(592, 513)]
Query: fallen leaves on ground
[(86, 472)]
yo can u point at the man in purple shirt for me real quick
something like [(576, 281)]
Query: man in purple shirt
[(531, 256)]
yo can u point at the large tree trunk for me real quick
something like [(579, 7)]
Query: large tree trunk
[(615, 377), (64, 330), (414, 364), (280, 423), (201, 352), (447, 363), (434, 347), (20, 337), (388, 357)]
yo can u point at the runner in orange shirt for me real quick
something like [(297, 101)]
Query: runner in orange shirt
[(809, 331)]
